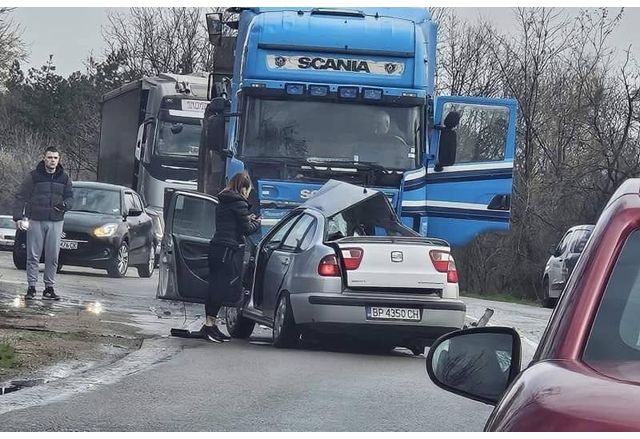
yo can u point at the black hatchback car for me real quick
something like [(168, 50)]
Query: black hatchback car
[(106, 228)]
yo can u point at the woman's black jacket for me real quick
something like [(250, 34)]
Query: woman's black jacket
[(233, 221)]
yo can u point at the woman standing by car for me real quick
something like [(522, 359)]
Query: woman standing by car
[(233, 223)]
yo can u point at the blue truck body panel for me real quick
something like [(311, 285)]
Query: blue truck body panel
[(392, 50)]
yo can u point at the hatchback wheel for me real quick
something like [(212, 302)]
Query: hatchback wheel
[(119, 264), (146, 270), (19, 259), (285, 331)]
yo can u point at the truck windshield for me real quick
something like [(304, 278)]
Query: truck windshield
[(178, 139), (389, 136)]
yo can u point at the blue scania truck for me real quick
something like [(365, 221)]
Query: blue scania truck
[(319, 94)]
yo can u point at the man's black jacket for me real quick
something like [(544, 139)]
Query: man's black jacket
[(44, 196)]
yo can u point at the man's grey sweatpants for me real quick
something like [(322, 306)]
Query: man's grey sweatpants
[(47, 235)]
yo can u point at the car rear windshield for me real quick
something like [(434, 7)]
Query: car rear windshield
[(372, 217), (615, 335)]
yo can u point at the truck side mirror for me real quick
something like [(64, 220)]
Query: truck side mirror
[(213, 155), (214, 27), (448, 140), (215, 125)]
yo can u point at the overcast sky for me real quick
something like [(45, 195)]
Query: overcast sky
[(72, 34)]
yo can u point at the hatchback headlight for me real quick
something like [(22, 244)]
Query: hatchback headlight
[(106, 231)]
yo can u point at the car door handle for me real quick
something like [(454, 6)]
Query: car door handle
[(285, 262)]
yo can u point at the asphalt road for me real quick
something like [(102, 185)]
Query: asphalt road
[(181, 384)]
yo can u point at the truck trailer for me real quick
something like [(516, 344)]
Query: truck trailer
[(150, 134)]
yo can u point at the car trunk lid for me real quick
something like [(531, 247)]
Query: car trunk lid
[(383, 262)]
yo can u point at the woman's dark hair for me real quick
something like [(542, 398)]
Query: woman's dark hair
[(238, 182)]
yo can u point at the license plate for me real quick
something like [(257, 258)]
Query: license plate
[(69, 245), (384, 313)]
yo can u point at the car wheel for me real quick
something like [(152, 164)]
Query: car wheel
[(119, 264), (417, 349), (547, 301), (156, 263), (237, 325), (20, 261), (285, 331), (147, 269)]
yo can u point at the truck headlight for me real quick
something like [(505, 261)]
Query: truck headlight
[(106, 230)]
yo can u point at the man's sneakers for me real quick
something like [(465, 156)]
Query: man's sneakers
[(49, 294), (213, 334)]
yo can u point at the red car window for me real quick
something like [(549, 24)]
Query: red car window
[(614, 341)]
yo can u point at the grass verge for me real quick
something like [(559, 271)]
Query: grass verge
[(502, 297), (7, 356)]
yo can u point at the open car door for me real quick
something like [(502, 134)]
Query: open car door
[(184, 266), (465, 189)]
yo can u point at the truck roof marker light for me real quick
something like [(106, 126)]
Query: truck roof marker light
[(319, 90), (372, 94), (295, 89), (348, 92)]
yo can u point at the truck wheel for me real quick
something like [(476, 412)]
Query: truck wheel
[(119, 264), (285, 331), (20, 261), (237, 325), (146, 270)]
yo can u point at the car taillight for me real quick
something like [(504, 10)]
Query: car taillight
[(444, 263), (452, 272), (352, 258), (329, 266)]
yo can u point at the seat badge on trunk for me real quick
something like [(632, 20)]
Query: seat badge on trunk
[(396, 257)]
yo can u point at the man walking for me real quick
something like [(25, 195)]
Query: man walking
[(45, 195)]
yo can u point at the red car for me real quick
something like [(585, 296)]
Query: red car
[(585, 374)]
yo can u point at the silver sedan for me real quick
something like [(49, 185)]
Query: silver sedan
[(343, 264)]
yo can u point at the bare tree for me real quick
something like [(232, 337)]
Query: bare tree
[(578, 132), (465, 64), (155, 40), (11, 45), (21, 151)]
